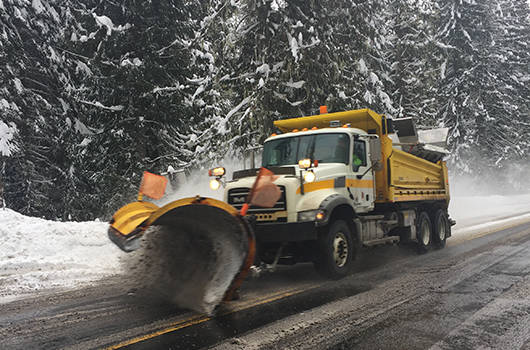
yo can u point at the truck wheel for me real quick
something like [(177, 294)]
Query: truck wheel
[(440, 226), (424, 232), (335, 251)]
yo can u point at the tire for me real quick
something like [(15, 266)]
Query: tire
[(424, 232), (334, 251), (440, 228)]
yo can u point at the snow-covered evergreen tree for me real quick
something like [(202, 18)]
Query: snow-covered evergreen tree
[(34, 102), (484, 73), (506, 133), (94, 92), (292, 57), (464, 30), (132, 100), (416, 60)]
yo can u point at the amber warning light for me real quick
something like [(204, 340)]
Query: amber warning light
[(220, 171)]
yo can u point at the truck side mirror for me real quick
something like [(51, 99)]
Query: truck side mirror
[(375, 149), (375, 154)]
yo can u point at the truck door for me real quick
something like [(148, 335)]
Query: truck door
[(361, 189)]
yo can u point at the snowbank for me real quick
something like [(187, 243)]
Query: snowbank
[(37, 255)]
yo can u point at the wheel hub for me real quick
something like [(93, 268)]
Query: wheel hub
[(425, 233), (340, 249), (441, 229)]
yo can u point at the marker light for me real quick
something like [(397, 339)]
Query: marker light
[(304, 163), (310, 176), (219, 171), (215, 184), (312, 215)]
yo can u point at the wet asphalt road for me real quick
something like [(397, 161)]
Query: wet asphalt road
[(473, 294)]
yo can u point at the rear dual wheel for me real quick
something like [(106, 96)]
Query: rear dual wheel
[(441, 228), (424, 232), (432, 230)]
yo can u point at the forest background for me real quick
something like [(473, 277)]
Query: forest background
[(93, 92)]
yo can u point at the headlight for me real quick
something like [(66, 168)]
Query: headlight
[(312, 215), (310, 176), (215, 184), (219, 171)]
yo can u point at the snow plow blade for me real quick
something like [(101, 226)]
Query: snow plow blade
[(129, 223), (196, 251)]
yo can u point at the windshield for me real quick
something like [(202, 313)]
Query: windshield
[(326, 148)]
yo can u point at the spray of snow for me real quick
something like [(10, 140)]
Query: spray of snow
[(191, 257)]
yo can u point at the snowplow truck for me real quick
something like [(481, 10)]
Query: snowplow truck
[(345, 181), (348, 180)]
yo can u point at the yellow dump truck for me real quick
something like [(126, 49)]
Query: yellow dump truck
[(347, 181), (344, 181)]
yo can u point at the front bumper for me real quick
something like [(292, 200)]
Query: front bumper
[(285, 232)]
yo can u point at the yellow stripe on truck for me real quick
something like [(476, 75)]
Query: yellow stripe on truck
[(359, 183), (325, 184)]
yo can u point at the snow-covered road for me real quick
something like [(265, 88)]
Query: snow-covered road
[(38, 256)]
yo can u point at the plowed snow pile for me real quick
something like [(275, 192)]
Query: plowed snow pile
[(38, 256)]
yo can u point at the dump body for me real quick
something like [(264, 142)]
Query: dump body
[(415, 179)]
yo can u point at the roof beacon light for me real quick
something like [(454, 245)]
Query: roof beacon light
[(219, 171), (304, 163), (323, 109)]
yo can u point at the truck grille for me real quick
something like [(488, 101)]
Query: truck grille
[(237, 197)]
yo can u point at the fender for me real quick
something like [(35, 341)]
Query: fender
[(330, 203), (333, 201)]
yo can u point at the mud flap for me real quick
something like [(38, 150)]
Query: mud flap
[(196, 251)]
